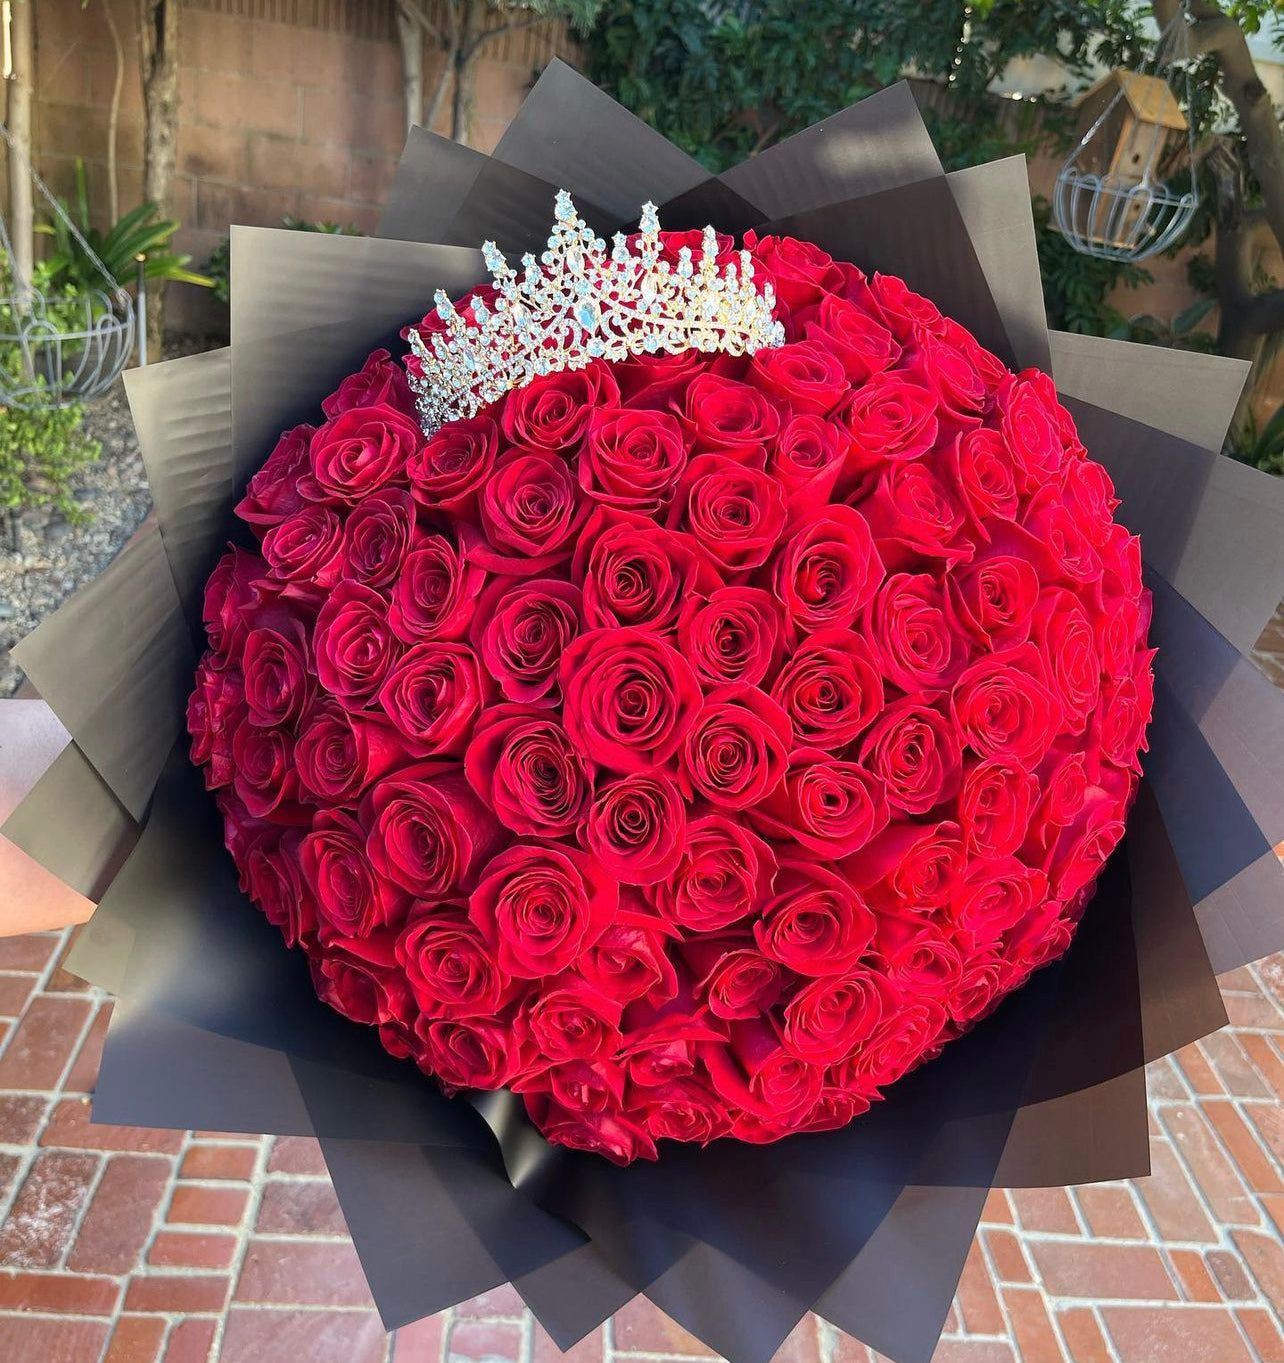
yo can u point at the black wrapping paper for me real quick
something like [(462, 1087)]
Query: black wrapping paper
[(446, 1198)]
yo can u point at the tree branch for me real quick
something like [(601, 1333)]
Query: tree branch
[(416, 14)]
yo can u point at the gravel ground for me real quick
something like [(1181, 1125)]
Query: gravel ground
[(52, 558)]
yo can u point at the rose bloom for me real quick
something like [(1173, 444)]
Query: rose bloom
[(521, 631), (914, 749), (816, 923), (377, 537), (733, 636), (735, 752), (449, 968), (355, 648), (632, 572), (521, 764), (629, 698), (806, 461), (636, 827), (529, 513), (723, 874), (830, 807), (734, 979), (362, 449), (735, 513), (828, 570), (728, 417), (436, 593), (632, 459), (553, 412), (433, 696), (446, 473), (380, 382), (541, 907), (283, 485), (830, 689), (807, 376)]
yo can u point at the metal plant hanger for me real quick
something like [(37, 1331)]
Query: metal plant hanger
[(71, 345), (1114, 197)]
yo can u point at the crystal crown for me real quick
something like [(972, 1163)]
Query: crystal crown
[(580, 302)]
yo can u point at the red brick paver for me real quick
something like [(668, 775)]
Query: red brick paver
[(126, 1246)]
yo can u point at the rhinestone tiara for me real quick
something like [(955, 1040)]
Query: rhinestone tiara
[(578, 303)]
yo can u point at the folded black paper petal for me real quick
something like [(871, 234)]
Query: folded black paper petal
[(869, 1224)]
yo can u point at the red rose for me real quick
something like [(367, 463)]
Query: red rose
[(263, 772), (436, 594), (735, 513), (909, 865), (983, 474), (377, 537), (724, 872), (682, 1110), (446, 473), (355, 648), (574, 1022), (734, 636), (806, 375), (828, 569), (800, 272), (427, 831), (1002, 709), (996, 801), (279, 488), (914, 748), (1121, 720), (1083, 848), (530, 513), (1055, 526), (307, 547), (628, 961), (1071, 656), (339, 752), (277, 671), (1063, 777), (994, 598), (215, 710), (380, 382), (636, 827), (952, 376), (552, 412), (541, 908), (806, 461), (831, 689), (520, 633), (633, 573), (274, 880), (816, 923), (1032, 432), (662, 1041), (753, 1072), (917, 647), (352, 898), (735, 752), (448, 965), (232, 595), (362, 449), (612, 1135), (631, 459), (919, 959), (522, 765), (728, 417), (889, 419), (357, 977), (825, 805), (996, 895), (903, 1040), (469, 1053), (853, 337), (912, 516), (629, 698), (910, 315), (433, 696), (733, 978), (827, 1019)]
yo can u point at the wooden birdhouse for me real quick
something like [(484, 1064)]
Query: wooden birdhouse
[(1141, 128)]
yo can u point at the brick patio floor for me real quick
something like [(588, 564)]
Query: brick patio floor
[(126, 1246)]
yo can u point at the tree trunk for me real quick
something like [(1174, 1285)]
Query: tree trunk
[(158, 38), (468, 42), (113, 116), (22, 218), (412, 65)]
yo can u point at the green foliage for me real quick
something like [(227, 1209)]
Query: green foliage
[(1262, 447), (139, 232), (218, 266), (1076, 288), (41, 451), (1182, 332)]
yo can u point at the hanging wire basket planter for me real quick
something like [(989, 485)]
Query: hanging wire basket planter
[(1129, 190), (62, 348)]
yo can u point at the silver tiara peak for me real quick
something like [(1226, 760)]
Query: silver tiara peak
[(580, 302)]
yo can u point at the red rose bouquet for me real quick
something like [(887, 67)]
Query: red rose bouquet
[(708, 701), (692, 743)]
